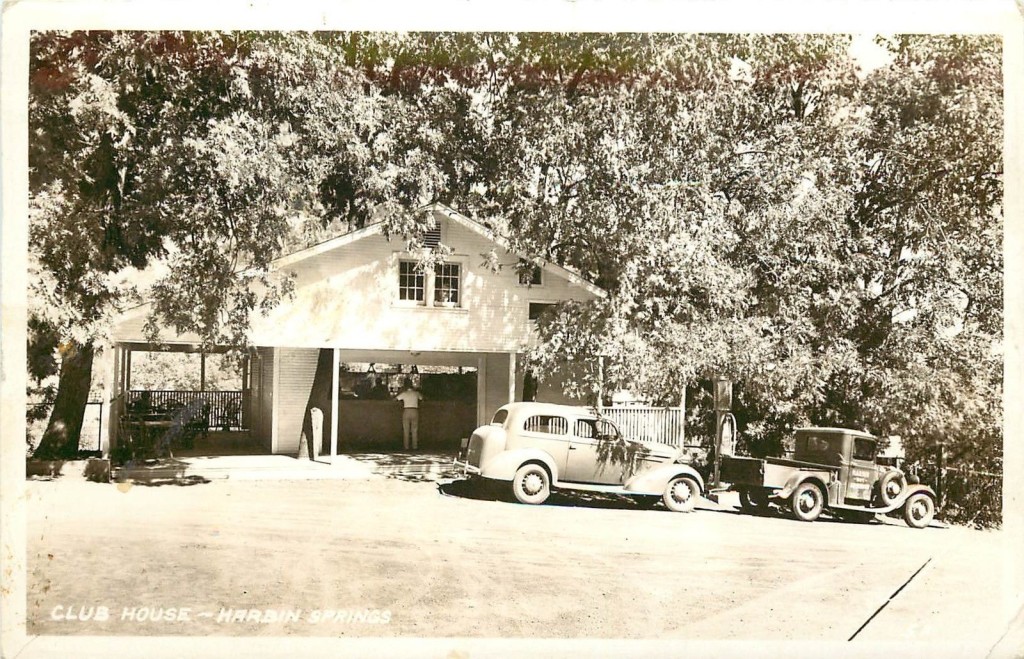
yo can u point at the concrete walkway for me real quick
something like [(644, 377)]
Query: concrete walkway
[(358, 466)]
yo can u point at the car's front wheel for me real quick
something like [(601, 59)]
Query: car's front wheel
[(681, 494), (531, 484)]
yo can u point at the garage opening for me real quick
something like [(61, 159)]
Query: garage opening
[(370, 419)]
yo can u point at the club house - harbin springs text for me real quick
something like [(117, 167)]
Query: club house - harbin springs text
[(223, 615)]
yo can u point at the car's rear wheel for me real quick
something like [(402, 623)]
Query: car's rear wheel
[(808, 502), (919, 510), (531, 484), (754, 500), (681, 494)]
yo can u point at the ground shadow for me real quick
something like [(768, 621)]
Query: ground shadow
[(490, 490), (157, 472), (179, 480), (783, 515)]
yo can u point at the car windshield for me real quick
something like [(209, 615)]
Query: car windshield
[(499, 417)]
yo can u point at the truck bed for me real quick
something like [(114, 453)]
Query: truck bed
[(764, 472)]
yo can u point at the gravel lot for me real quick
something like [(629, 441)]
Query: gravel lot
[(391, 558)]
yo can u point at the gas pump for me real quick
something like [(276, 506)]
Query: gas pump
[(725, 426)]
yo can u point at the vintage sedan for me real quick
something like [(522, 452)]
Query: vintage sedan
[(538, 447)]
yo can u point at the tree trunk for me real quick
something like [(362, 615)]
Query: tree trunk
[(60, 441), (320, 396)]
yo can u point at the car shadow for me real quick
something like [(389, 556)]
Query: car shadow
[(485, 490)]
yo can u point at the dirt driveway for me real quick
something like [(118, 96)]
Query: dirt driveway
[(386, 557)]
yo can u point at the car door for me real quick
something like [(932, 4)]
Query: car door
[(591, 458), (549, 433)]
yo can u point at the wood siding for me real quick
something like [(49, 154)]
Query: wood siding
[(348, 298), (295, 381)]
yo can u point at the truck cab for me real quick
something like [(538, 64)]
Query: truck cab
[(852, 452)]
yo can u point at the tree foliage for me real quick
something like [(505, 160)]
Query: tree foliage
[(758, 206)]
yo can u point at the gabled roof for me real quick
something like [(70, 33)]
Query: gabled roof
[(451, 214)]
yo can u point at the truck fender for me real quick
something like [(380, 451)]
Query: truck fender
[(796, 479), (655, 481), (907, 493), (504, 465)]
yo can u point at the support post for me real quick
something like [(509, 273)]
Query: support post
[(202, 371), (511, 377), (335, 392), (682, 417), (600, 383), (481, 390), (940, 478), (128, 371)]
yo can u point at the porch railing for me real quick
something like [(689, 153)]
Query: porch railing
[(658, 424), (225, 407)]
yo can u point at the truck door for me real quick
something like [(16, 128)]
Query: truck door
[(860, 471)]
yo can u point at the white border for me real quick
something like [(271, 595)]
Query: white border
[(848, 16)]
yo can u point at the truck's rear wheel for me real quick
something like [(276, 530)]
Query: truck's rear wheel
[(919, 510), (754, 500), (808, 502)]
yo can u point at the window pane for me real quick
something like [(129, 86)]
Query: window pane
[(863, 449), (411, 282), (606, 430), (446, 283), (537, 309), (531, 276), (585, 429), (550, 425)]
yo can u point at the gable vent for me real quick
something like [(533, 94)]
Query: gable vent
[(432, 238)]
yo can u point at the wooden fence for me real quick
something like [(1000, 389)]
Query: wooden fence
[(657, 424), (225, 407)]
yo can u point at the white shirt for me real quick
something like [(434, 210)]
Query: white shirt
[(410, 398)]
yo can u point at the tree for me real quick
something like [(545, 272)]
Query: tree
[(147, 146)]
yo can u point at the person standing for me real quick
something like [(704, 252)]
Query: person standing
[(410, 413)]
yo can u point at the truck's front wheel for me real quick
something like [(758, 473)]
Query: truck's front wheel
[(919, 510), (808, 502)]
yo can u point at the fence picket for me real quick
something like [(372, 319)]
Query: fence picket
[(657, 424)]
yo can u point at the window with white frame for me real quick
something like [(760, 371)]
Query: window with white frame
[(411, 282), (442, 290), (447, 278)]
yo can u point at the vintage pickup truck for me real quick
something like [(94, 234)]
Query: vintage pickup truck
[(832, 469)]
